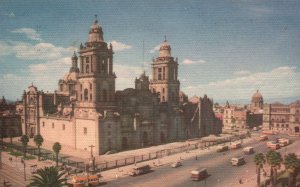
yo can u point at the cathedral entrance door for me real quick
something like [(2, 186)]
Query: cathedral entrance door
[(145, 139), (124, 143)]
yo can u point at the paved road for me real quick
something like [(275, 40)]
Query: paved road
[(218, 166)]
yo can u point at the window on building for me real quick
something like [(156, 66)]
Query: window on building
[(86, 94), (296, 119), (91, 97), (87, 60), (87, 68), (164, 72), (61, 87), (159, 74), (52, 125), (84, 130), (43, 124), (80, 87), (287, 125), (63, 127), (91, 86)]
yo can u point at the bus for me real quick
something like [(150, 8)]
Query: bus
[(140, 170), (86, 180), (199, 174)]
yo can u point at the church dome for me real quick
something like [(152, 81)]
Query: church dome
[(257, 97)]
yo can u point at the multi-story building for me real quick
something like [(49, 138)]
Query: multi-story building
[(87, 111), (282, 118)]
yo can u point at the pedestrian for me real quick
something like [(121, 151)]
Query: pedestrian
[(240, 181)]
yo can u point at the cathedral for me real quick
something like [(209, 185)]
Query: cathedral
[(86, 110)]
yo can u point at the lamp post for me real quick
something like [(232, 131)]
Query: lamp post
[(23, 162), (92, 157)]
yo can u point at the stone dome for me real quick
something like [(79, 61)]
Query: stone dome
[(257, 97)]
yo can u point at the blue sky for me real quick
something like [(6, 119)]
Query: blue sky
[(226, 49)]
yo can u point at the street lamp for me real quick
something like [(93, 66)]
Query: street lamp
[(23, 162)]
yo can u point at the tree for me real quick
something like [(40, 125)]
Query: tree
[(292, 165), (274, 159), (259, 160), (47, 177), (38, 140), (24, 140), (56, 148)]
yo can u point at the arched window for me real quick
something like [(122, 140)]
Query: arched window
[(86, 94), (87, 68), (104, 95)]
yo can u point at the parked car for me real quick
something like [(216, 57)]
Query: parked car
[(176, 164), (238, 161), (199, 174)]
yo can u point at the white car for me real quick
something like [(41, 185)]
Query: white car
[(176, 164)]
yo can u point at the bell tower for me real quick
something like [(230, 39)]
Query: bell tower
[(165, 76), (96, 79)]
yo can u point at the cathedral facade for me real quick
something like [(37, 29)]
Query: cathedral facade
[(86, 110)]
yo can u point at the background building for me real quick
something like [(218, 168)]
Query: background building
[(282, 118)]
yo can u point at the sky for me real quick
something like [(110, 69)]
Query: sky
[(226, 49)]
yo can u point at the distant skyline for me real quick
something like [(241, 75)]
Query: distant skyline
[(226, 49)]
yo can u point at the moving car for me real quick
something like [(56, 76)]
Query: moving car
[(238, 161), (263, 137), (140, 170), (248, 150), (235, 145), (222, 148), (176, 164), (199, 174), (283, 142)]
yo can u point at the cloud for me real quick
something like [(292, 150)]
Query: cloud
[(188, 61), (118, 46), (242, 72), (8, 14), (39, 51), (277, 83), (156, 48), (30, 33)]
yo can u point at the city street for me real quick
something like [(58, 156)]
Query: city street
[(218, 166)]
